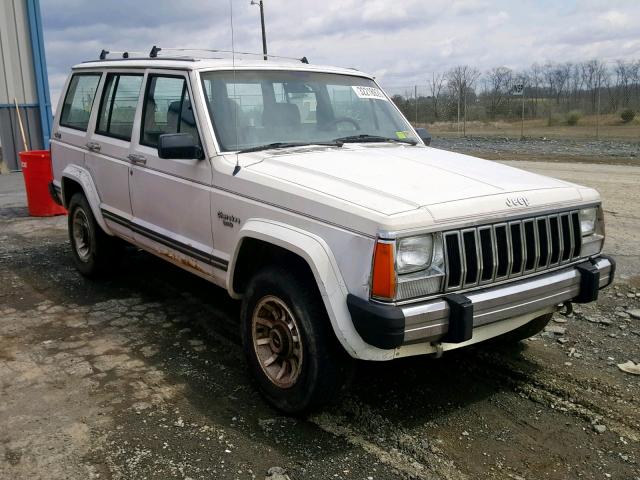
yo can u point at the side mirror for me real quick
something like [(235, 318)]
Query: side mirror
[(178, 146), (424, 135)]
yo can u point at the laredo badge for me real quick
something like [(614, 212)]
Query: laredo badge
[(228, 220)]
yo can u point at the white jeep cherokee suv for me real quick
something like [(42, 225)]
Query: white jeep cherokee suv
[(304, 192)]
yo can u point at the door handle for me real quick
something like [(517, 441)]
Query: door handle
[(137, 159), (93, 146)]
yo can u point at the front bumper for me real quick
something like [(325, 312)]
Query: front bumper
[(453, 318)]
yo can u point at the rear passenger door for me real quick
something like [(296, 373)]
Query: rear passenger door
[(170, 198), (110, 146), (68, 142)]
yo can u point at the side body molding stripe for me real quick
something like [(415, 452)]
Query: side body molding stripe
[(205, 257)]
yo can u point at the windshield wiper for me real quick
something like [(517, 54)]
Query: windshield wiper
[(364, 138), (269, 146)]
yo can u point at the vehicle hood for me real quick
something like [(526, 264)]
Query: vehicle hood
[(392, 179)]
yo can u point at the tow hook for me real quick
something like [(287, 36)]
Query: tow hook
[(565, 309), (439, 350)]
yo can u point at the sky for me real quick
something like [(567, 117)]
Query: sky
[(401, 42)]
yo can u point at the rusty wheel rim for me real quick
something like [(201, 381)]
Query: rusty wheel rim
[(276, 341), (81, 235)]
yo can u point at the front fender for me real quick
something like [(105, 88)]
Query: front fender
[(83, 177), (315, 251)]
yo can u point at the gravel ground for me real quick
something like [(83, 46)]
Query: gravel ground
[(500, 148), (142, 376)]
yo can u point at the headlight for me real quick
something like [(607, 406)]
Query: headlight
[(414, 254), (410, 267), (420, 266), (588, 217), (592, 229)]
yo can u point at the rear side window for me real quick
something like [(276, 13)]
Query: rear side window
[(76, 109), (167, 109), (118, 105)]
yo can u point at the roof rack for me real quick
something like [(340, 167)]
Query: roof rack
[(156, 50)]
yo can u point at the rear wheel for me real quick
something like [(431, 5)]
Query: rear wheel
[(94, 252), (291, 350)]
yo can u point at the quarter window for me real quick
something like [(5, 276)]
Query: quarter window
[(118, 105), (167, 109), (78, 102)]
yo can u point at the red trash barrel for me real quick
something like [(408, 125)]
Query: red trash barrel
[(37, 173)]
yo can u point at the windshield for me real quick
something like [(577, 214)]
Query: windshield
[(286, 108)]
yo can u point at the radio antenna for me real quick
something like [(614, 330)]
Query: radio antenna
[(236, 169)]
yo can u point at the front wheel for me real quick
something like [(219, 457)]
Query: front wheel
[(291, 350)]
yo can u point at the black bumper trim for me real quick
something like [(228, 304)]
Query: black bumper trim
[(590, 279), (381, 326), (460, 318), (589, 283)]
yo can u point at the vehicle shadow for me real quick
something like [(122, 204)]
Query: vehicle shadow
[(423, 385), (416, 390)]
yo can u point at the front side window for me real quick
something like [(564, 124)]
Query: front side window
[(167, 109), (118, 105), (254, 108), (78, 102)]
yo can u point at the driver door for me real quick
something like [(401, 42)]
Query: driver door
[(170, 199)]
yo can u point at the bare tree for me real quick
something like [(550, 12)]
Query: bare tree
[(534, 80), (499, 81), (594, 86), (623, 79), (460, 80), (575, 84), (556, 78), (593, 75), (436, 85)]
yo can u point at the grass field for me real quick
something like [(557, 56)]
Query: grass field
[(610, 128)]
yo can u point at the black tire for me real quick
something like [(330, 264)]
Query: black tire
[(95, 253), (527, 330), (324, 367)]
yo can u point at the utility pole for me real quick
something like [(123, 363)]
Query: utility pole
[(264, 35), (598, 114), (522, 122), (464, 118), (459, 94), (415, 93)]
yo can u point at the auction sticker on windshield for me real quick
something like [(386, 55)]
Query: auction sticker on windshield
[(369, 92)]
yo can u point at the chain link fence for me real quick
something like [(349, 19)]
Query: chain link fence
[(596, 99)]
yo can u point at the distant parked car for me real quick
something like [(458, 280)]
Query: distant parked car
[(304, 192)]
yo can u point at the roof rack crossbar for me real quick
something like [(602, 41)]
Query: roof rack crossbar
[(155, 50)]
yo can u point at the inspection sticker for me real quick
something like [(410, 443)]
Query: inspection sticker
[(369, 92)]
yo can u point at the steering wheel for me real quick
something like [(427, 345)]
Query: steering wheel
[(338, 120)]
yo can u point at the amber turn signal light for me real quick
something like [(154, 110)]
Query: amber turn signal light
[(384, 275)]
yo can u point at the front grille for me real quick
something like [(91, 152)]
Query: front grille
[(491, 253)]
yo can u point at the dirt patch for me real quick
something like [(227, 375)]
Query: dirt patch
[(142, 376)]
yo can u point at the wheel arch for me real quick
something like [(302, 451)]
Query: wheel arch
[(319, 259), (77, 179)]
